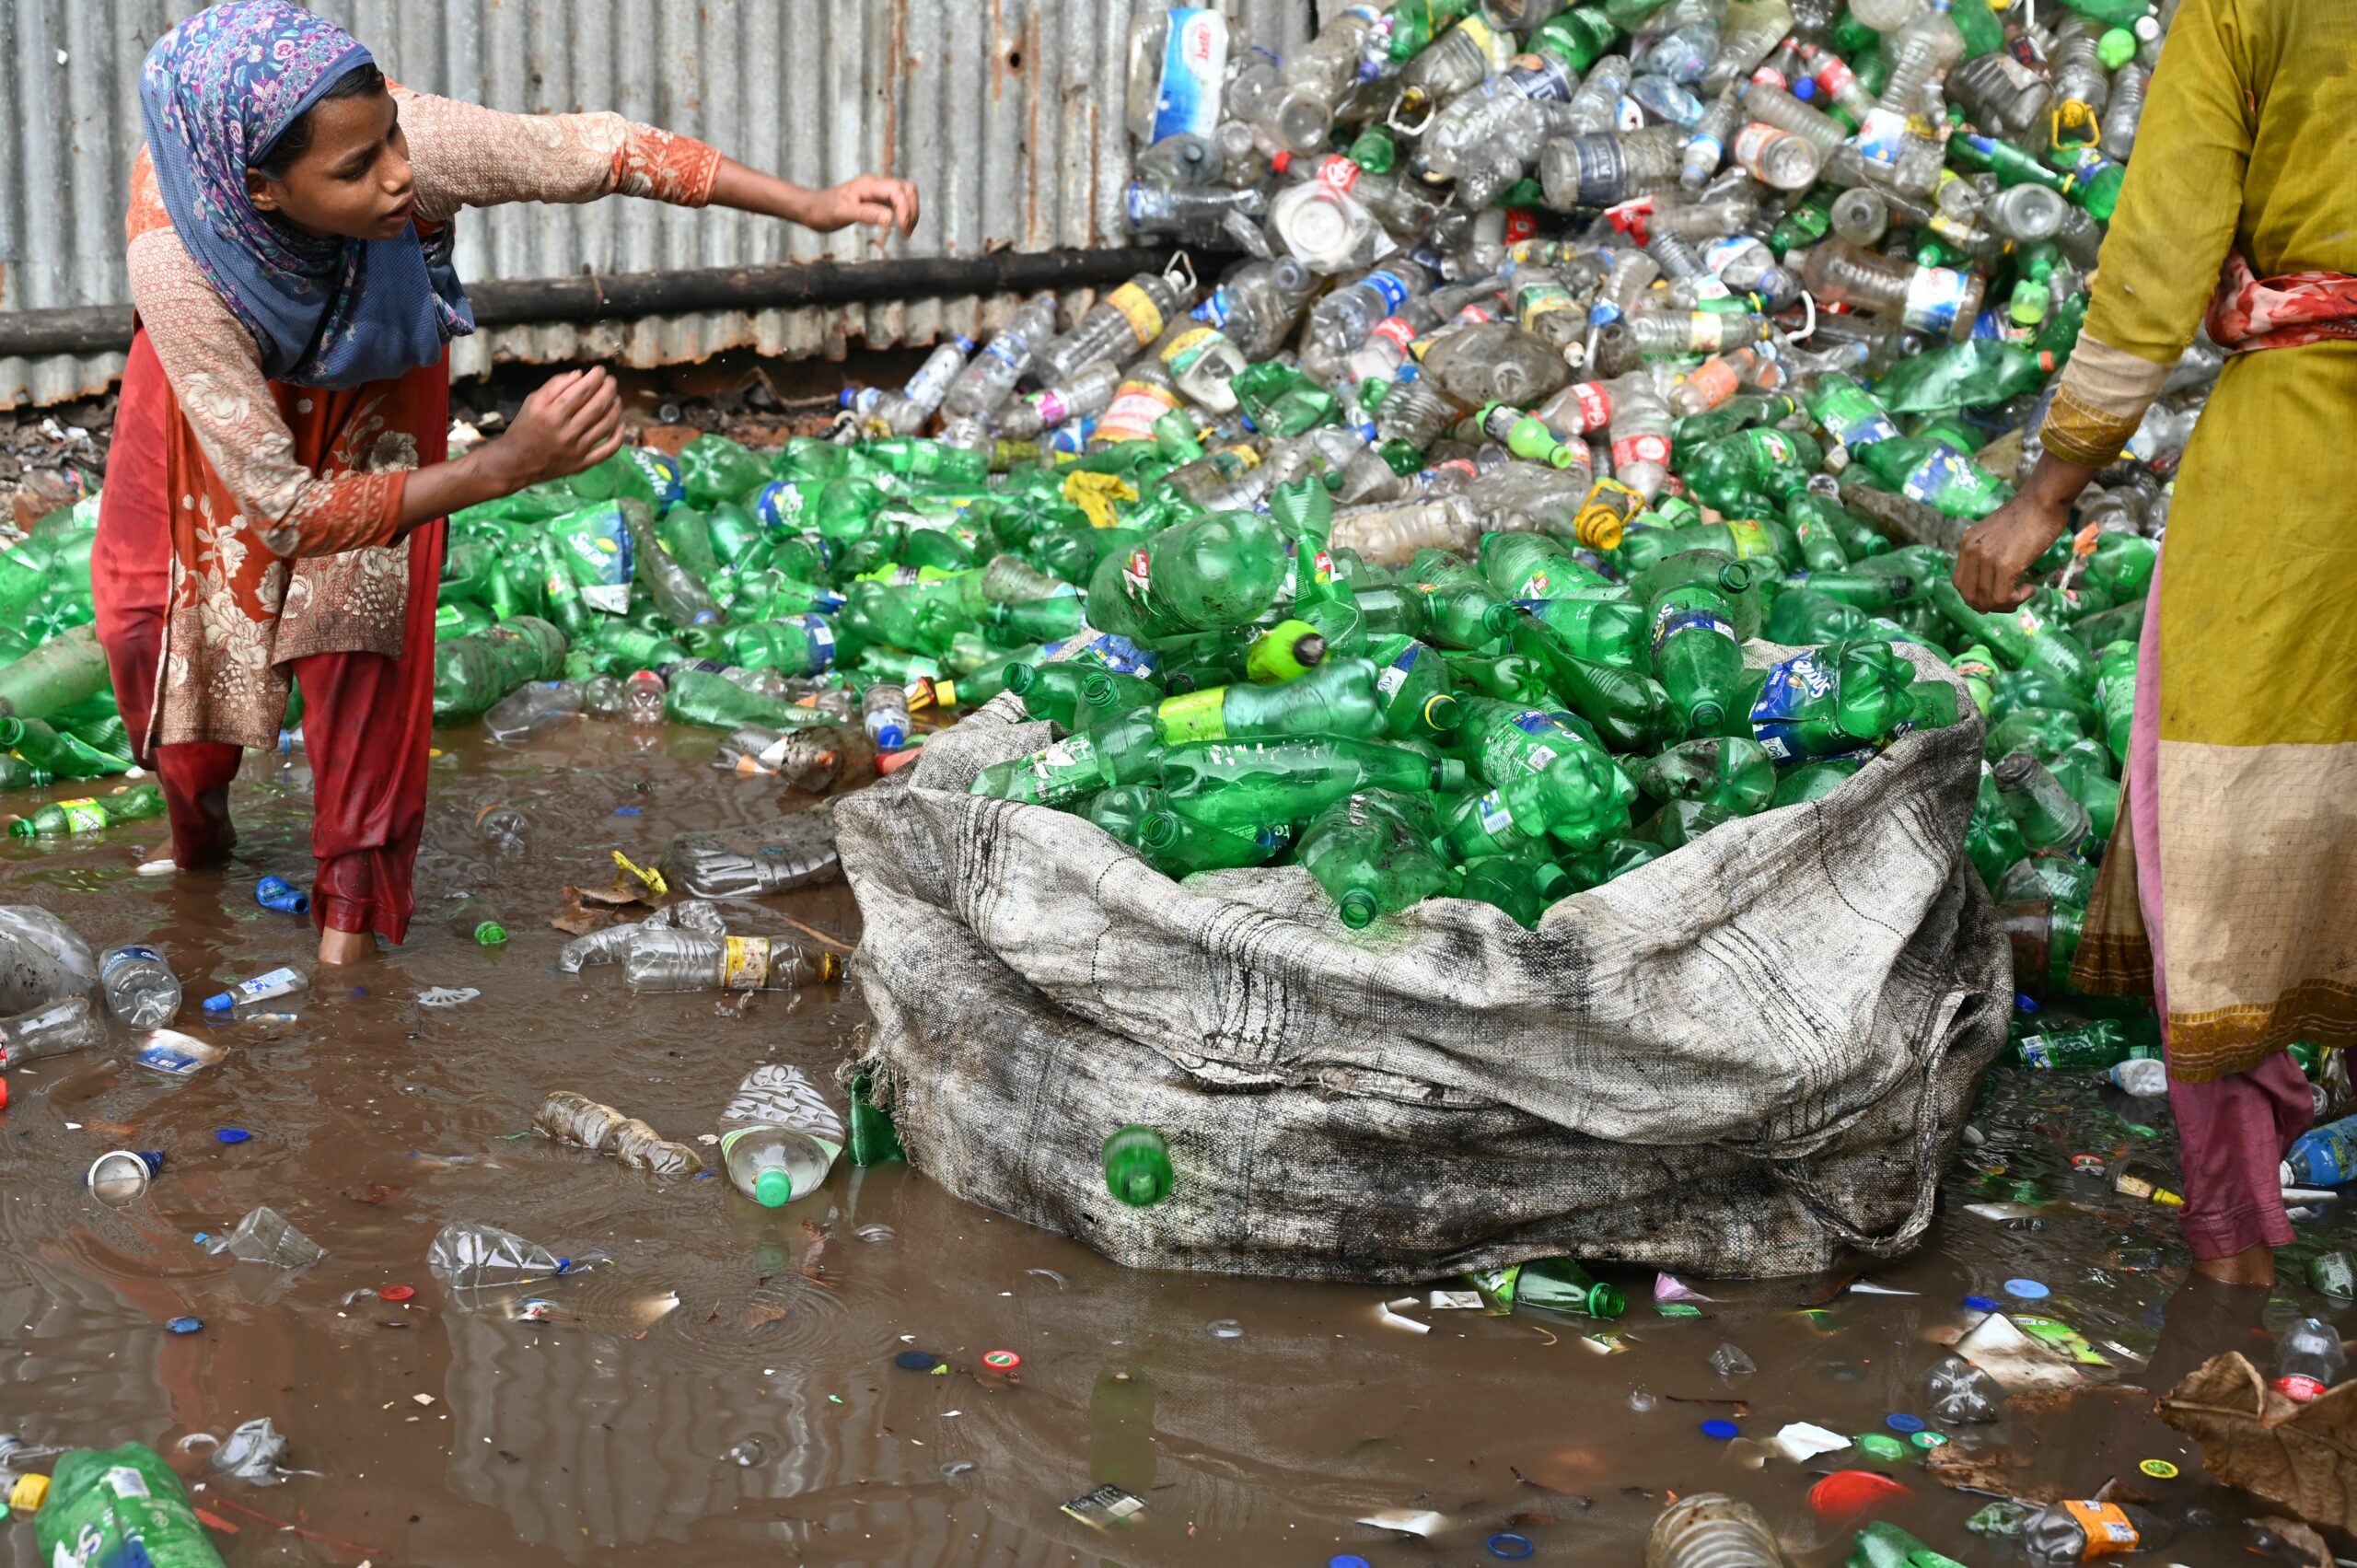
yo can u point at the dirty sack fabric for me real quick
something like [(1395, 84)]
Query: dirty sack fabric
[(1749, 1058)]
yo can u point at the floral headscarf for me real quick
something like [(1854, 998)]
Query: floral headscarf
[(216, 92)]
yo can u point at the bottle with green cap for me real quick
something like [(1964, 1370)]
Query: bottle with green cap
[(1249, 783), (1372, 854), (1137, 1166), (779, 1136), (62, 819), (473, 919)]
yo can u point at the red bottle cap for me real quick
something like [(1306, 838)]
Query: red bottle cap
[(1845, 1493), (1001, 1360), (396, 1292)]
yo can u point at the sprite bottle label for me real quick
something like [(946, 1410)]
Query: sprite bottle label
[(83, 816)]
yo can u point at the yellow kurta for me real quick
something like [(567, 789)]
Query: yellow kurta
[(2245, 144)]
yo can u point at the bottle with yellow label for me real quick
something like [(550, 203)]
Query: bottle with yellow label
[(61, 818), (695, 961), (1339, 697), (1117, 326)]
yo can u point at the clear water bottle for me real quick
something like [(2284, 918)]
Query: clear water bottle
[(1960, 1394), (502, 828), (466, 1256), (991, 373), (2308, 1361), (1341, 322), (799, 759), (263, 993), (50, 1030), (1118, 325), (575, 1119), (1710, 1530), (779, 1136), (266, 1236), (140, 987), (690, 960), (884, 710), (609, 946), (716, 871), (642, 698), (904, 412), (528, 710), (2127, 107), (1088, 393)]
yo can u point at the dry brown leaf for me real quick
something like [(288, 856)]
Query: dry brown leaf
[(575, 918), (759, 1313), (2297, 1534), (2302, 1458)]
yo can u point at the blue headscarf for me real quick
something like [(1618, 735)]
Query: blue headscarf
[(216, 92)]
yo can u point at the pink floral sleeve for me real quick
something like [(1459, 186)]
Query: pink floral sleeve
[(216, 371), (467, 156)]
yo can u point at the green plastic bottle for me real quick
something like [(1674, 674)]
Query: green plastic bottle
[(62, 818), (1696, 655), (1723, 770), (1522, 884), (1129, 751), (1814, 780), (1849, 414), (1581, 798), (1337, 698), (1509, 678), (1413, 687), (42, 748), (1504, 741), (120, 1506), (1880, 1544), (1180, 846), (710, 701), (69, 669), (802, 645), (1221, 570), (1532, 565), (1735, 473), (1829, 700), (1765, 539), (472, 672), (1137, 1166), (1972, 374), (1628, 710), (1818, 527), (2051, 820), (1936, 474), (1608, 631), (1559, 1284), (1249, 784), (2023, 638), (2043, 733), (1371, 856), (2092, 1047), (713, 468), (2116, 696)]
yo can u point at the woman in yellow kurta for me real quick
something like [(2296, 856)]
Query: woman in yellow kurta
[(2232, 889)]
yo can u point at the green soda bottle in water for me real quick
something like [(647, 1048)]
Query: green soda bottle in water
[(122, 1505), (1137, 1166)]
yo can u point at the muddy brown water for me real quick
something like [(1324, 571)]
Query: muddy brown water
[(762, 1418)]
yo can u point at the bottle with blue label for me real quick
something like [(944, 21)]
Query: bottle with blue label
[(274, 986), (2323, 1156), (1177, 64)]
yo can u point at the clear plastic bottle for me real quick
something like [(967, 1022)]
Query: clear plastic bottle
[(1706, 145), (1193, 215), (1258, 303), (1116, 326), (1086, 394), (1749, 31), (1782, 160), (713, 871), (140, 987), (1607, 167), (266, 991), (1926, 45), (528, 710), (1747, 266), (1313, 81), (1412, 413), (904, 412), (1640, 434), (1322, 226), (884, 710), (1596, 106), (642, 698), (1389, 535), (575, 1119), (266, 1236), (50, 1031), (2024, 213), (690, 960), (1708, 1529), (1384, 350), (991, 373), (2076, 68), (1768, 104), (1681, 55), (503, 830), (1928, 299), (1341, 322), (1174, 83), (798, 758), (1860, 216), (2308, 1361), (2129, 85), (467, 1256), (1960, 1394), (2003, 96), (607, 946), (779, 1136)]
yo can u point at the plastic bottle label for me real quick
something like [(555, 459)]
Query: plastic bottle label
[(2110, 1531), (1009, 349), (1538, 301), (1491, 813), (84, 816), (125, 1481), (1133, 412), (1049, 406), (2039, 1053), (1943, 473), (1881, 137), (1138, 308), (1752, 143), (1195, 62), (1750, 537), (263, 987), (1934, 295), (1194, 715), (745, 963), (1643, 448), (1784, 702), (1854, 420), (128, 954), (1594, 400), (1215, 308), (1394, 291), (172, 1059), (1394, 329), (1338, 173), (1187, 350)]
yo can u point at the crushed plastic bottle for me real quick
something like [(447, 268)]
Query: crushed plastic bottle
[(468, 1256), (575, 1119), (264, 1237), (49, 1031)]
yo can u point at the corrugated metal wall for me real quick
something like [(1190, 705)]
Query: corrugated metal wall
[(1007, 114)]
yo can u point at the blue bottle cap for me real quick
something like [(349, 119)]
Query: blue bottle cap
[(233, 1134), (1903, 1422), (1722, 1430), (2026, 1290), (1981, 1303), (625, 810), (220, 1003), (184, 1325), (916, 1361), (1348, 1560), (2024, 1003), (1509, 1546)]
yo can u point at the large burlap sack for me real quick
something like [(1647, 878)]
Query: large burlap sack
[(1746, 1058)]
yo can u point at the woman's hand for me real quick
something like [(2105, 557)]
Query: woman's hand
[(2001, 546), (573, 422), (877, 200)]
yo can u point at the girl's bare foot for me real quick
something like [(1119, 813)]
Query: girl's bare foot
[(2251, 1266), (346, 947)]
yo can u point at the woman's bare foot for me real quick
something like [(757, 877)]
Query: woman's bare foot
[(346, 947), (2251, 1266)]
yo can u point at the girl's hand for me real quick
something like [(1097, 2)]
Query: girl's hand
[(877, 200), (573, 422), (1999, 548)]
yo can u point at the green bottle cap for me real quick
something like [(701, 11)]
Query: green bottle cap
[(1883, 1447), (772, 1188), (490, 933), (2116, 48)]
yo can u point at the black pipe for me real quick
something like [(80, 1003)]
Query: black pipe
[(105, 329)]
